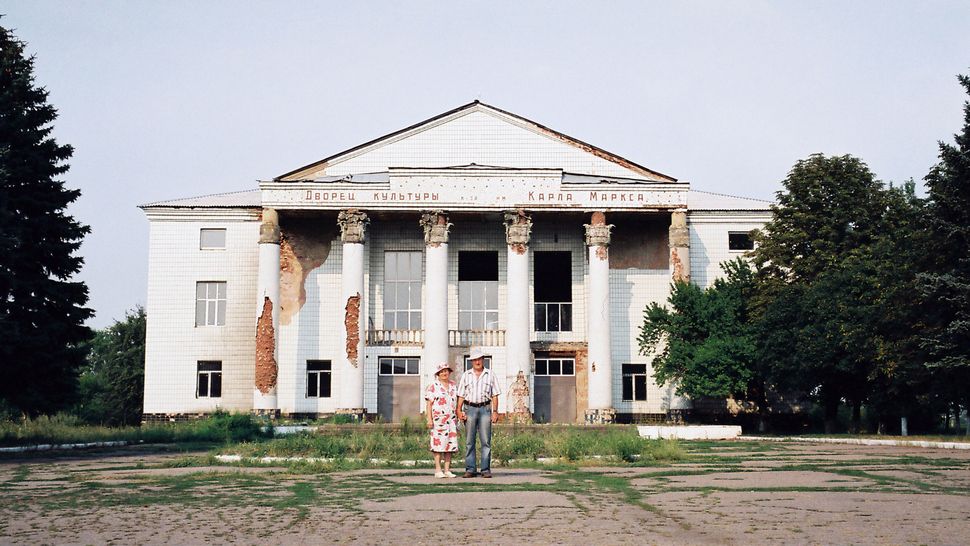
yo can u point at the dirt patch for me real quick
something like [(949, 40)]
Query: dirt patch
[(779, 479)]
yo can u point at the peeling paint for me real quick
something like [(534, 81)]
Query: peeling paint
[(304, 247), (679, 271), (265, 349), (602, 252), (352, 324)]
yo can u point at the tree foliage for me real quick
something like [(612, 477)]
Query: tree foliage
[(42, 310), (945, 282), (705, 335), (113, 380)]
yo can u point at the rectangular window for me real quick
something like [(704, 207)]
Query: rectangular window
[(210, 379), (553, 292), (212, 239), (407, 365), (318, 374), (478, 290), (555, 366), (402, 290), (210, 303), (487, 359), (740, 240), (634, 382)]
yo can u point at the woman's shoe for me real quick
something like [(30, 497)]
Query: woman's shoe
[(439, 474), (449, 474)]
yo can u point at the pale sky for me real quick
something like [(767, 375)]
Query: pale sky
[(176, 99)]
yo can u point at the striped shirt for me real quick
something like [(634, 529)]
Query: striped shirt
[(477, 389)]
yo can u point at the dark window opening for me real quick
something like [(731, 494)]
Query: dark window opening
[(318, 378), (478, 266), (634, 382), (209, 384), (740, 241), (553, 292), (398, 366)]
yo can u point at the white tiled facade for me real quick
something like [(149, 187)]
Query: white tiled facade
[(474, 134)]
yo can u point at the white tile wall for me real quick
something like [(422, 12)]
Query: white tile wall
[(482, 138), (174, 344), (709, 243)]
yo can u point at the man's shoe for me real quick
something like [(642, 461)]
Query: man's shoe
[(468, 475), (486, 474)]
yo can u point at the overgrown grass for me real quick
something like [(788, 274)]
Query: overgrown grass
[(66, 429), (508, 444)]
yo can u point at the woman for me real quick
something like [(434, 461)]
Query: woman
[(441, 396)]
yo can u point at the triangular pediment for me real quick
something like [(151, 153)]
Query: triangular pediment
[(476, 134)]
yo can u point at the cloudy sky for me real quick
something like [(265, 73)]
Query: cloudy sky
[(175, 99)]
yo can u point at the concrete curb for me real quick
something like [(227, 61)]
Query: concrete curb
[(862, 442), (272, 460), (53, 447)]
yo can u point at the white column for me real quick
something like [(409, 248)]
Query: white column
[(267, 315), (351, 369), (435, 314), (518, 354), (598, 322)]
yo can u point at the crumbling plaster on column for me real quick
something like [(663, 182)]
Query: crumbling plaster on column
[(352, 324), (266, 366), (353, 225), (303, 248), (518, 229), (436, 227)]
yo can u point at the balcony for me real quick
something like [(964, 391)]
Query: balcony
[(415, 338)]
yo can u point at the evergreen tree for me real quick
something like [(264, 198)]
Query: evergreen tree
[(945, 285), (113, 381), (42, 310)]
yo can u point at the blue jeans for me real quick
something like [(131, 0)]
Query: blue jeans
[(479, 423)]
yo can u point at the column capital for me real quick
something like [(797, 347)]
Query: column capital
[(436, 227), (679, 234), (597, 230), (269, 229), (353, 225), (518, 230)]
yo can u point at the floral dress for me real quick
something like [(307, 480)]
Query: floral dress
[(444, 429)]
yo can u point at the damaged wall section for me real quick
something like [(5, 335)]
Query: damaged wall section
[(305, 246), (639, 241), (266, 366), (352, 324)]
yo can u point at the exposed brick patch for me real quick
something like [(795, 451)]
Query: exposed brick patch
[(304, 247), (602, 252), (352, 324), (598, 218), (265, 349), (678, 265)]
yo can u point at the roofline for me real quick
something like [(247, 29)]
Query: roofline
[(595, 150)]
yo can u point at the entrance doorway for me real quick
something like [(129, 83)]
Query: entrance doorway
[(398, 388), (555, 389)]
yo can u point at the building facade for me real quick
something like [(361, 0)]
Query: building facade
[(337, 287)]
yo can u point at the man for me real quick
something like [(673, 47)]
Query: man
[(478, 393)]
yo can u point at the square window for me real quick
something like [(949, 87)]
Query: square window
[(212, 239), (740, 241)]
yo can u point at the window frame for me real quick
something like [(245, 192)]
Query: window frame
[(202, 232), (394, 370), (744, 233), (545, 369), (219, 311), (209, 374), (316, 376), (485, 291), (631, 377), (414, 283)]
